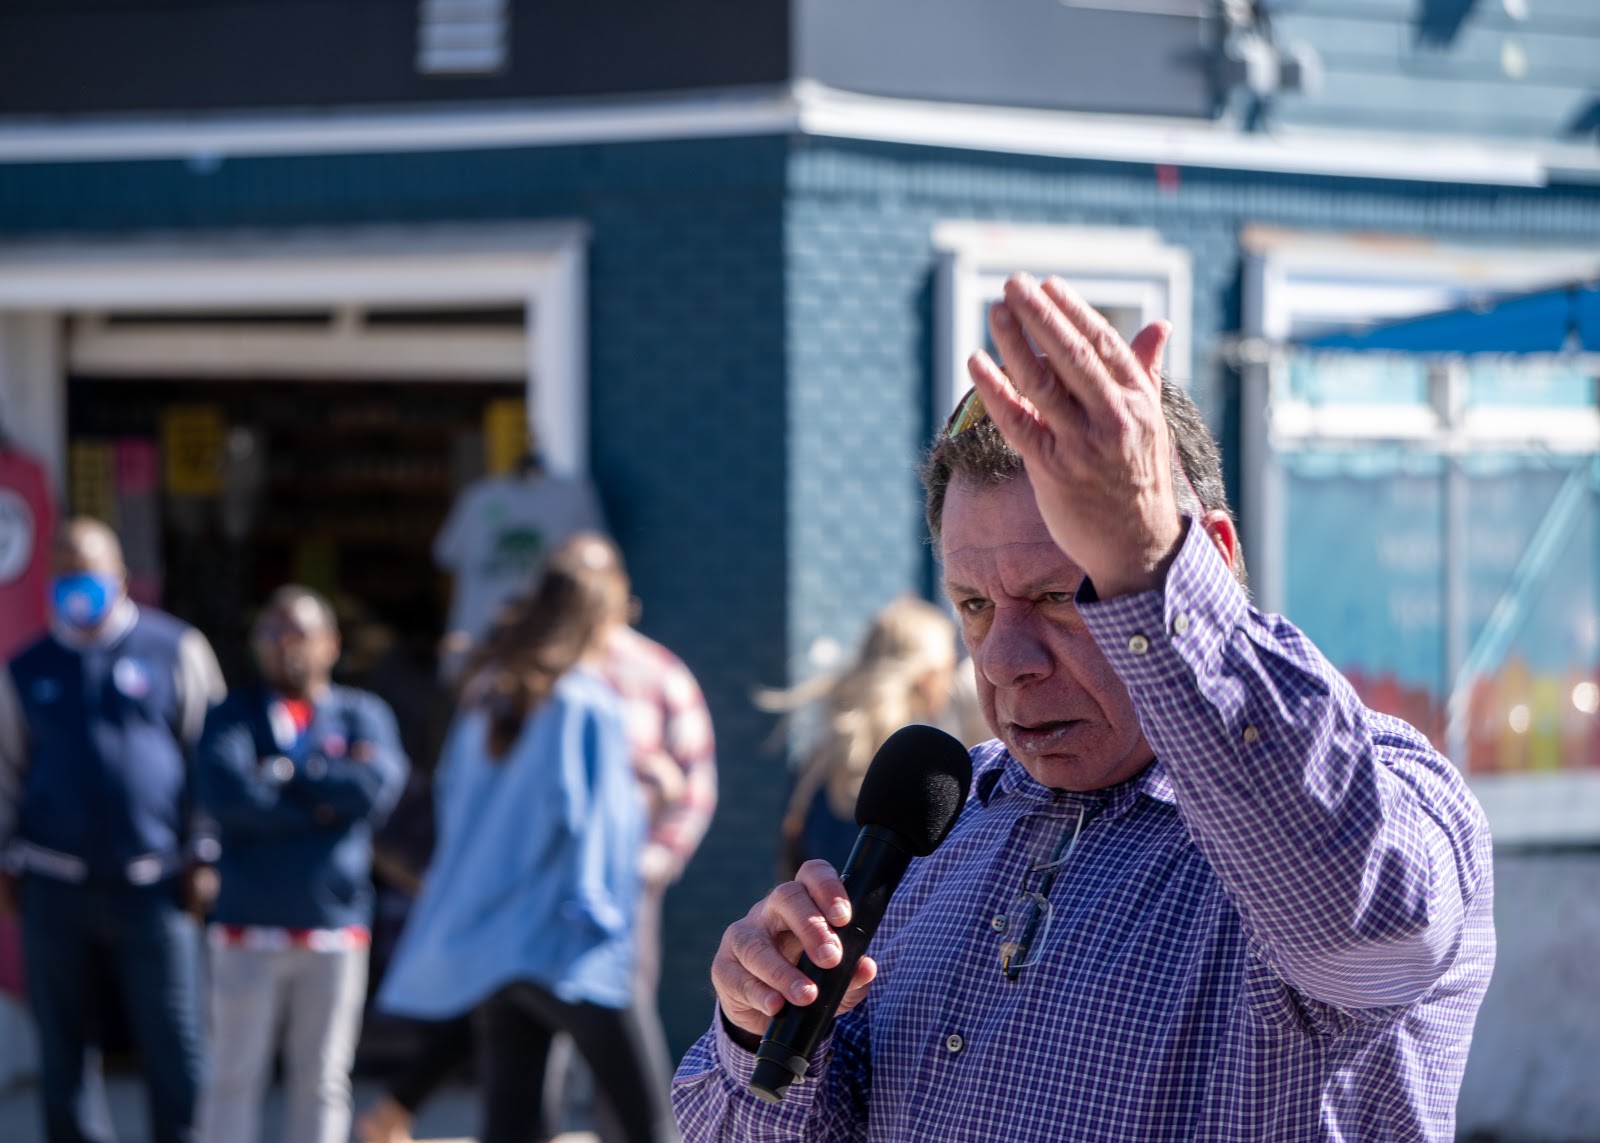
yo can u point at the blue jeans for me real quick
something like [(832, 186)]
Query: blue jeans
[(71, 934)]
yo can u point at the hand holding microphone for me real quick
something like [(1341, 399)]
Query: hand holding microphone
[(909, 799)]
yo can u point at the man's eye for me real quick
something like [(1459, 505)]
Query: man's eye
[(972, 606), (1059, 596)]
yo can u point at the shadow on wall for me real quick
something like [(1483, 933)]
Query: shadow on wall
[(1440, 21), (1530, 1077)]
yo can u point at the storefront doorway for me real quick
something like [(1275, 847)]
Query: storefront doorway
[(249, 411), (339, 485)]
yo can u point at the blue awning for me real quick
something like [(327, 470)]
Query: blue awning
[(1560, 320)]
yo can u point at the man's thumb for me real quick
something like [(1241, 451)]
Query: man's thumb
[(1150, 343)]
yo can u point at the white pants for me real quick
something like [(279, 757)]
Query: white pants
[(318, 996)]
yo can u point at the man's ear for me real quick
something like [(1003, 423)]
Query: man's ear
[(1223, 535)]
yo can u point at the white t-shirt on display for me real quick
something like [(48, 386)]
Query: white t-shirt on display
[(499, 533)]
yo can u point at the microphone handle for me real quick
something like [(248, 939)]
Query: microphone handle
[(876, 864)]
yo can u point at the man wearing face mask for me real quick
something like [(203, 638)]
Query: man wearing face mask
[(97, 722), (296, 773)]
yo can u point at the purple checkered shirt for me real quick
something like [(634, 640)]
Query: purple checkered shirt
[(1281, 930)]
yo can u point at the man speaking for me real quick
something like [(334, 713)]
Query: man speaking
[(1200, 892)]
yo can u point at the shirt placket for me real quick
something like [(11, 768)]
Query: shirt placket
[(958, 1058)]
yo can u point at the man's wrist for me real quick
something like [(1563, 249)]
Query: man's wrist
[(749, 1041), (1147, 574)]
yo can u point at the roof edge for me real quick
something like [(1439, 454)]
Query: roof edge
[(806, 107)]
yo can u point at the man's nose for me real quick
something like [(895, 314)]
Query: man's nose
[(1014, 650)]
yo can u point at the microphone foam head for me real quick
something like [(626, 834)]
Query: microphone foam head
[(916, 786)]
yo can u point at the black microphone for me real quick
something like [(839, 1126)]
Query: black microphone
[(910, 797)]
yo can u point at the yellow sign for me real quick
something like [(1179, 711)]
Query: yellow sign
[(315, 563), (506, 435), (192, 448), (91, 480)]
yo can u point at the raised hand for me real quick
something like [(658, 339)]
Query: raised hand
[(754, 970), (1086, 419)]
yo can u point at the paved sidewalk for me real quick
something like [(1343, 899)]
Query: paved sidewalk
[(450, 1117)]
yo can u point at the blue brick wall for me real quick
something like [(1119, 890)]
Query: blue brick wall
[(859, 365), (687, 376)]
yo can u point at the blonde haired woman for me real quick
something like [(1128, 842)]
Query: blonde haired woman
[(904, 671)]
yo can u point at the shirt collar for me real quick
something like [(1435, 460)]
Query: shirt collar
[(124, 613), (998, 775)]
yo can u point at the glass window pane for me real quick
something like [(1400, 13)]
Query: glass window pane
[(1534, 636), (1358, 379), (1366, 574), (1497, 381)]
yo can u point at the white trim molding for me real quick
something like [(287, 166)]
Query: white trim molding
[(1190, 142), (207, 138), (809, 108), (1125, 268), (344, 348), (541, 268)]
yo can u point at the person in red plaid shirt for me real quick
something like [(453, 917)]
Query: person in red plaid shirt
[(674, 759)]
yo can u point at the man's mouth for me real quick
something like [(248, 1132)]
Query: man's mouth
[(1041, 737)]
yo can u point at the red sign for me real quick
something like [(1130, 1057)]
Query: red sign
[(27, 527)]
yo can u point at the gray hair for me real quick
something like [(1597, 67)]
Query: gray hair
[(981, 458)]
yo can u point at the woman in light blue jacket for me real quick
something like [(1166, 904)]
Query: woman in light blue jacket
[(527, 909)]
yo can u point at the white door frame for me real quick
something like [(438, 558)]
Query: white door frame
[(541, 266), (1124, 266)]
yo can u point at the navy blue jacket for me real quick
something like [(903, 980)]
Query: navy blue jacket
[(104, 788), (295, 817)]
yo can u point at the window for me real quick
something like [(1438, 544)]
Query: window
[(1127, 274), (1432, 521), (462, 37)]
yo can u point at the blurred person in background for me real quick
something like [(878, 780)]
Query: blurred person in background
[(500, 530), (528, 910), (672, 748), (98, 720), (904, 671), (296, 773), (673, 751)]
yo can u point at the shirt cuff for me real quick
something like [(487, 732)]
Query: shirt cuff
[(1176, 631), (740, 1064)]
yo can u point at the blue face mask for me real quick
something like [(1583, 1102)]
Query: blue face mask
[(84, 599)]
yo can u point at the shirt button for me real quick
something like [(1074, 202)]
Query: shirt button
[(998, 924), (1138, 644), (1251, 734), (953, 1042), (1181, 623)]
